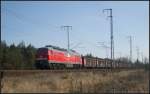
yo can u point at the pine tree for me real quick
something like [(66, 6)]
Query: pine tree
[(3, 50), (31, 56)]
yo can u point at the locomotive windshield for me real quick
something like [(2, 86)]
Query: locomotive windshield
[(42, 51)]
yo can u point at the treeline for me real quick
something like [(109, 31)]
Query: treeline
[(17, 56), (23, 57)]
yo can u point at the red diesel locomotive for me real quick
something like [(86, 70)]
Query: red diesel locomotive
[(50, 57)]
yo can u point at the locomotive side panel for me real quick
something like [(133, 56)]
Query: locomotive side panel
[(54, 58)]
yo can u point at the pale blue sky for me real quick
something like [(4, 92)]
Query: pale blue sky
[(39, 23)]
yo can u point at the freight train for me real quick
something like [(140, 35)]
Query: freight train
[(50, 57)]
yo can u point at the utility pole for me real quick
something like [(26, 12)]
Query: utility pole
[(67, 29), (130, 40), (137, 49), (142, 57), (111, 32)]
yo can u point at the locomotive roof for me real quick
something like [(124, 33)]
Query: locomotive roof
[(60, 49), (55, 47)]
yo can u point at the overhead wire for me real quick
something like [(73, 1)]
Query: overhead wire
[(26, 19)]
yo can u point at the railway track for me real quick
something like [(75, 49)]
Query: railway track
[(17, 73), (65, 70), (56, 70)]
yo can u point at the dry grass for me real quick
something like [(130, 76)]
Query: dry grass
[(134, 81)]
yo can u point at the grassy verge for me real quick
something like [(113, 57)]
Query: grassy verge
[(131, 81)]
